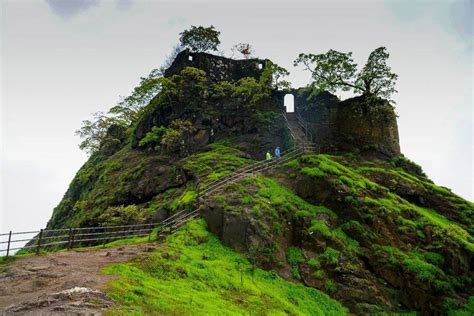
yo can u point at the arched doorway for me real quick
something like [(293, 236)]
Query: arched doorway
[(289, 102)]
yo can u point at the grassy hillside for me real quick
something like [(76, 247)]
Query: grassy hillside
[(193, 274), (372, 234)]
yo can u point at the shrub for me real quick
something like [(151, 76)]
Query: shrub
[(331, 256), (330, 286), (122, 215), (295, 257), (314, 263), (153, 138), (319, 274)]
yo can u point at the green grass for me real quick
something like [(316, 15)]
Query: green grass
[(214, 164), (199, 276), (187, 198), (330, 256), (416, 262), (378, 200), (324, 166), (270, 192), (466, 310), (294, 256)]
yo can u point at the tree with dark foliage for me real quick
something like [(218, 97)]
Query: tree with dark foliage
[(200, 39)]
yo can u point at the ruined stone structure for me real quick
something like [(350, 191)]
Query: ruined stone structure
[(358, 123), (337, 126), (217, 68)]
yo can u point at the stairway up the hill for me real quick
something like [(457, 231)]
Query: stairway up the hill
[(297, 130)]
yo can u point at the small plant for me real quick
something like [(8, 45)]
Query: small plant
[(331, 256), (153, 138), (244, 48), (295, 257), (330, 286), (314, 263), (319, 274)]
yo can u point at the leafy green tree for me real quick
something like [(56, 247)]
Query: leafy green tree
[(250, 91), (128, 110), (94, 131), (330, 71), (186, 88), (376, 78), (200, 39), (334, 70), (178, 136), (153, 138), (272, 75)]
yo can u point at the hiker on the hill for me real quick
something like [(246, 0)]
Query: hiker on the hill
[(268, 156), (277, 152)]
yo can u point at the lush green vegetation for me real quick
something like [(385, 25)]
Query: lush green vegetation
[(416, 263), (295, 257), (333, 71), (376, 199), (193, 274), (467, 310), (218, 162), (111, 190)]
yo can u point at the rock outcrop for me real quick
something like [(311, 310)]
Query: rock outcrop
[(356, 124)]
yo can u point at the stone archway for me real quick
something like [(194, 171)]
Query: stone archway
[(289, 102)]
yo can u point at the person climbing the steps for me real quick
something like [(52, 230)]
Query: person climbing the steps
[(277, 152), (268, 156)]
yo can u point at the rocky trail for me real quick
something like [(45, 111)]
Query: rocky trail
[(62, 283)]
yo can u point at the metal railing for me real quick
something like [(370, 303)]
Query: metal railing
[(84, 236), (305, 127), (70, 238)]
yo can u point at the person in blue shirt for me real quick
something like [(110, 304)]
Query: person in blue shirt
[(277, 152)]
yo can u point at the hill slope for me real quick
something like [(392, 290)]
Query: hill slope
[(364, 225)]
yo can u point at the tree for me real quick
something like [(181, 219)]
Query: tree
[(93, 132), (335, 70), (376, 78), (128, 109), (244, 48), (272, 75), (178, 135), (200, 39), (171, 57), (332, 70)]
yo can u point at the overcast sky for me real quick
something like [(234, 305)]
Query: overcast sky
[(62, 60)]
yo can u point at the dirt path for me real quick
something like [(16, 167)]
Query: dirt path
[(62, 283)]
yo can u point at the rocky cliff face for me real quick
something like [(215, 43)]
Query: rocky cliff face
[(356, 124), (359, 222)]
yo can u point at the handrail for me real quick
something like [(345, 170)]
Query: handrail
[(241, 170), (270, 164), (252, 168), (304, 124), (46, 237)]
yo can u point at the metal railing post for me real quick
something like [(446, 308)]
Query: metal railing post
[(69, 239), (72, 239), (9, 239), (39, 241)]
